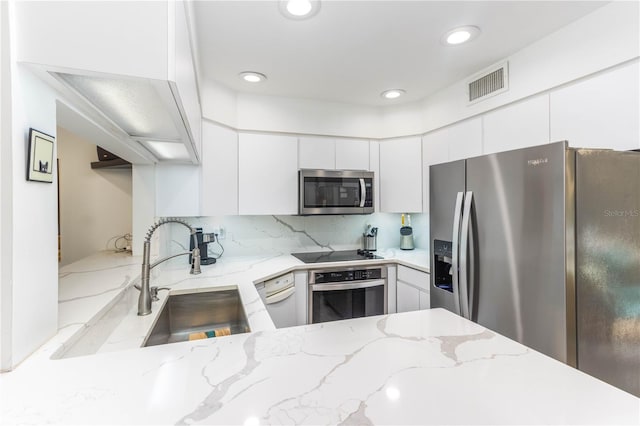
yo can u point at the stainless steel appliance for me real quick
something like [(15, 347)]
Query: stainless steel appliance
[(203, 240), (370, 239), (406, 238), (542, 245), (406, 234), (335, 256), (337, 294), (335, 192)]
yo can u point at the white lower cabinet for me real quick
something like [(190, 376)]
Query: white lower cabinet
[(392, 298), (408, 297), (425, 300), (412, 289)]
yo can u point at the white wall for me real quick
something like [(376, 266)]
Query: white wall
[(95, 204), (603, 39), (278, 114), (144, 204), (6, 254), (600, 40), (34, 274), (219, 103)]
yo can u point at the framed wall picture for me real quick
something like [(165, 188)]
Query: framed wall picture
[(40, 167)]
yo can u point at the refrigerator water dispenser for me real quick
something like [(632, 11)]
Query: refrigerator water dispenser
[(442, 265)]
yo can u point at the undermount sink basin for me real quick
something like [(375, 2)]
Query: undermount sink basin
[(218, 312)]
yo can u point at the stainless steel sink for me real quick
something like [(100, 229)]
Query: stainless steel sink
[(186, 314)]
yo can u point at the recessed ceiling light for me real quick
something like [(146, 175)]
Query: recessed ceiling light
[(460, 35), (392, 93), (252, 76), (299, 9)]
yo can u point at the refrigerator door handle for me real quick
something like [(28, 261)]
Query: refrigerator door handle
[(455, 241), (464, 261)]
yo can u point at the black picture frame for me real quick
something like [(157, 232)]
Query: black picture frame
[(40, 164)]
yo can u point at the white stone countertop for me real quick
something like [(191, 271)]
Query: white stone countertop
[(412, 368), (102, 284)]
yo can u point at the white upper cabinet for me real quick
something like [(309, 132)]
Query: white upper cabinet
[(177, 190), (184, 76), (519, 125), (267, 174), (456, 142), (464, 140), (219, 193), (317, 153), (352, 154), (435, 150), (131, 61), (401, 175), (600, 112)]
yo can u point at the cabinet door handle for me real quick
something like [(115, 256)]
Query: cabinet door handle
[(281, 295)]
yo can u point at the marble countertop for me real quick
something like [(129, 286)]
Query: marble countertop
[(102, 283), (423, 367), (416, 367)]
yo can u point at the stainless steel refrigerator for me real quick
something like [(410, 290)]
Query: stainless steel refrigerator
[(542, 245)]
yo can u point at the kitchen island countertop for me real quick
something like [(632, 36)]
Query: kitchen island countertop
[(416, 367)]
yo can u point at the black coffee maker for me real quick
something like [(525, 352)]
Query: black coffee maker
[(203, 242)]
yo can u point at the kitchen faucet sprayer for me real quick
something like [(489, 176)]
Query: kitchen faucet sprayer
[(144, 301)]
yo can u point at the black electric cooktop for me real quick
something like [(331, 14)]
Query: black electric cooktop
[(335, 256)]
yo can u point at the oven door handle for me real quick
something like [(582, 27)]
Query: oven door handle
[(363, 193), (348, 286)]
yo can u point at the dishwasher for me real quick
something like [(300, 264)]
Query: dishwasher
[(278, 295)]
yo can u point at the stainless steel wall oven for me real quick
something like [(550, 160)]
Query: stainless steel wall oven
[(344, 293)]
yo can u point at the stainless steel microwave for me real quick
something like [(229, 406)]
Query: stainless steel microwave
[(335, 192)]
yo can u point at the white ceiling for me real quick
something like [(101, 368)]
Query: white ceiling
[(351, 51)]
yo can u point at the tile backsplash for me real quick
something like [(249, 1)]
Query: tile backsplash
[(260, 235)]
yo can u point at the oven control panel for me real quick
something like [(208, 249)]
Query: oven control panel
[(336, 276)]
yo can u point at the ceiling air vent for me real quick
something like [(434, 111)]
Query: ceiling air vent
[(489, 82)]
